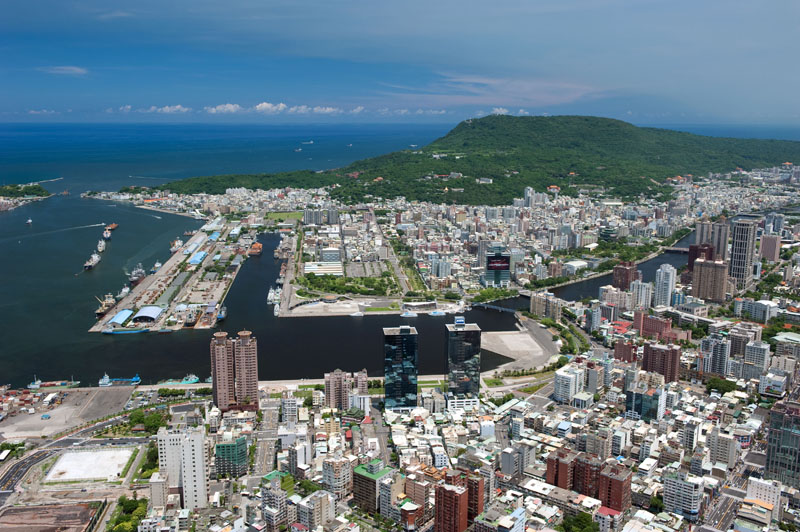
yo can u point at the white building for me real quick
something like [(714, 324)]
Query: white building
[(193, 470), (170, 443), (641, 294), (568, 382), (664, 285), (724, 448), (768, 491), (683, 493), (756, 360)]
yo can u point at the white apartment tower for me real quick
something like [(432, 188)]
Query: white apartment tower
[(664, 285)]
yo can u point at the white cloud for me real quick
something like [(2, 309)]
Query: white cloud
[(300, 109), (42, 112), (324, 110), (357, 110), (167, 109), (270, 108), (430, 111), (114, 14), (65, 70), (523, 112), (499, 111), (383, 111), (401, 111), (225, 108), (125, 109)]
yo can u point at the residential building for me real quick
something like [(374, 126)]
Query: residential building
[(710, 280), (546, 305), (366, 484), (234, 371), (194, 475), (452, 504), (743, 245), (337, 475), (666, 277), (230, 456), (624, 274), (316, 509), (663, 359), (400, 350), (683, 493), (615, 487)]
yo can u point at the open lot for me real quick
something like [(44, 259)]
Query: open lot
[(61, 517), (79, 406), (520, 346), (89, 465)]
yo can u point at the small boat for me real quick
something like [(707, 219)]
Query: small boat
[(255, 249), (137, 275), (112, 226), (408, 314), (101, 246), (156, 267), (308, 142), (35, 384), (124, 292), (437, 313), (164, 331), (271, 295), (222, 314), (92, 262), (189, 233), (29, 222), (106, 235), (175, 245), (349, 145), (358, 314), (277, 310), (298, 149)]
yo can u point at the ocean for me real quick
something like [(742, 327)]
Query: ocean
[(47, 302)]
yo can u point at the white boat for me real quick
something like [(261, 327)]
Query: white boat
[(101, 246), (176, 245), (156, 267), (437, 313), (105, 381), (124, 292), (106, 235), (276, 311), (408, 314), (92, 262), (29, 222), (357, 314)]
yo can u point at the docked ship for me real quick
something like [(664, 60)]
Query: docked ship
[(92, 262), (255, 249), (189, 233), (188, 379), (106, 304), (101, 246), (175, 245), (107, 381), (112, 226), (137, 275), (156, 267), (106, 234), (124, 292), (276, 310), (222, 314)]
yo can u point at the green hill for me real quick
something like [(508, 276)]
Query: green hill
[(515, 152)]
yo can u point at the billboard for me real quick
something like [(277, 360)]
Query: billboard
[(498, 263)]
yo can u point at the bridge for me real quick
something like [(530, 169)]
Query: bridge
[(676, 250), (494, 307)]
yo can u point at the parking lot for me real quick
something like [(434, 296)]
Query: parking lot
[(79, 406)]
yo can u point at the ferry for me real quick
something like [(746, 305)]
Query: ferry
[(222, 314), (106, 235), (175, 245), (255, 249), (137, 275), (92, 262), (112, 226), (156, 267), (106, 381), (101, 246), (124, 292), (106, 304)]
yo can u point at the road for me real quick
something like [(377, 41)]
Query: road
[(392, 258), (14, 474), (377, 429)]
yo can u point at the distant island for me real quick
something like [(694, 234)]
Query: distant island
[(491, 160), (22, 191)]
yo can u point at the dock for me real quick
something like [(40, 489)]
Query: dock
[(189, 289)]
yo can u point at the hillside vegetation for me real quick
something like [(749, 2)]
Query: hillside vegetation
[(20, 191), (515, 152)]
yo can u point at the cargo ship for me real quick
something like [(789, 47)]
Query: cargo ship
[(101, 246), (137, 275), (106, 381), (38, 384), (112, 226), (92, 262), (188, 379), (255, 249), (106, 304), (106, 235)]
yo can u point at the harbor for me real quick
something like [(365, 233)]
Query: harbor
[(186, 291)]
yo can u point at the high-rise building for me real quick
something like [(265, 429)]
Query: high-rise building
[(234, 371), (645, 402), (230, 456), (316, 509), (568, 381), (222, 372), (624, 274), (338, 385), (498, 267), (664, 285), (561, 468), (366, 484), (615, 487), (773, 223), (245, 355), (400, 349), (464, 357), (770, 248), (337, 475), (768, 491), (720, 232), (641, 294), (715, 352), (586, 476), (683, 493), (547, 305), (699, 251), (159, 490), (743, 245), (756, 360), (709, 280), (194, 474), (783, 443), (702, 231), (723, 447), (452, 503), (273, 503), (663, 359), (170, 444)]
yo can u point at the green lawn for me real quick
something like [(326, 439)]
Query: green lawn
[(533, 388), (281, 216), (377, 391), (493, 383)]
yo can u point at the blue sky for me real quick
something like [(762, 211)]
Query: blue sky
[(286, 61)]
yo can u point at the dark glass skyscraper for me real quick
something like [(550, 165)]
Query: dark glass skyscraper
[(463, 358), (783, 443), (400, 354)]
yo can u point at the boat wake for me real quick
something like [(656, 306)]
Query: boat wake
[(54, 231), (148, 177)]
